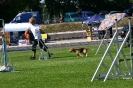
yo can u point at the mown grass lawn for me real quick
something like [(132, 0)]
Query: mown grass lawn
[(65, 70)]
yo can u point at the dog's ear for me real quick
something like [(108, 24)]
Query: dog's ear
[(70, 49)]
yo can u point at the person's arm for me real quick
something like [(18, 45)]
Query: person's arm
[(26, 32), (40, 29)]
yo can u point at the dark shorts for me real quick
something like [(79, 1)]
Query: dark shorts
[(41, 45)]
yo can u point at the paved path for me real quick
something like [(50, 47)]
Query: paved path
[(62, 43), (72, 42), (59, 44)]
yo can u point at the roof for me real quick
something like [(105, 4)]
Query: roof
[(11, 27), (94, 19), (71, 13), (87, 12)]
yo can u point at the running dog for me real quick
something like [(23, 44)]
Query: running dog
[(80, 52)]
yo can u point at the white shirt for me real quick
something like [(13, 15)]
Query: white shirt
[(35, 30)]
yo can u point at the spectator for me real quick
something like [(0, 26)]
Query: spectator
[(111, 32), (89, 30), (27, 36), (61, 18)]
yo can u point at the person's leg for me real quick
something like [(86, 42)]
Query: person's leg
[(111, 32), (34, 45), (34, 54)]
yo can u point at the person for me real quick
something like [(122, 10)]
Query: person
[(27, 36), (89, 30), (111, 32), (61, 18), (101, 34), (95, 30), (36, 31)]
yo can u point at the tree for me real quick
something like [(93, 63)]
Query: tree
[(17, 6), (4, 6), (11, 8)]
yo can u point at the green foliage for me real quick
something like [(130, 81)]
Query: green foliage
[(22, 5), (82, 5), (10, 8), (131, 1)]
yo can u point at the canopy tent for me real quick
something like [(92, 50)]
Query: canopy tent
[(94, 19), (12, 27)]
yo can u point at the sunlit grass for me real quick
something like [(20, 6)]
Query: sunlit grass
[(65, 70)]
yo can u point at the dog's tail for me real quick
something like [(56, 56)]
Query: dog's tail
[(89, 49)]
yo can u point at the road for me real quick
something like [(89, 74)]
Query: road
[(59, 44)]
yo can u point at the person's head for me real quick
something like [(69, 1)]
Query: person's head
[(89, 24), (32, 20), (60, 14)]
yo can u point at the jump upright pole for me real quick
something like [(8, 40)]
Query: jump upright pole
[(4, 44)]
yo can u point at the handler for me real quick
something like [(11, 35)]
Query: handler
[(36, 31)]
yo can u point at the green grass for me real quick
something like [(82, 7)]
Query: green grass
[(65, 70)]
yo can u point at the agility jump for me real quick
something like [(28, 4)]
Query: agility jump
[(115, 67)]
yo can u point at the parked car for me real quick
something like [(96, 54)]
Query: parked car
[(25, 16), (128, 12), (103, 13), (71, 17), (86, 15), (113, 12), (55, 20), (125, 30)]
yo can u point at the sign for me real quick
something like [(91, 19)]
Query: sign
[(22, 42), (44, 36)]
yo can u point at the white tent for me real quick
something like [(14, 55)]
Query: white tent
[(12, 27)]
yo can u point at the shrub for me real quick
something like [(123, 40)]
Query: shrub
[(75, 26)]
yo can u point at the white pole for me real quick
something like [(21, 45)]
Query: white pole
[(4, 44), (131, 62)]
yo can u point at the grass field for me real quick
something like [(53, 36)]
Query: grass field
[(65, 70)]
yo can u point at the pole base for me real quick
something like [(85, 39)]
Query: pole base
[(6, 68), (43, 58), (89, 38)]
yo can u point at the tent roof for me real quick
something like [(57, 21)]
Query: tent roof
[(11, 27), (94, 19)]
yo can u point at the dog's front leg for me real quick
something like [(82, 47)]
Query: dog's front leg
[(86, 55), (80, 55)]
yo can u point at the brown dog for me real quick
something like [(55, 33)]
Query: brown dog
[(79, 52)]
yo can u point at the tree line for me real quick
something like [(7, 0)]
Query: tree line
[(10, 8)]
